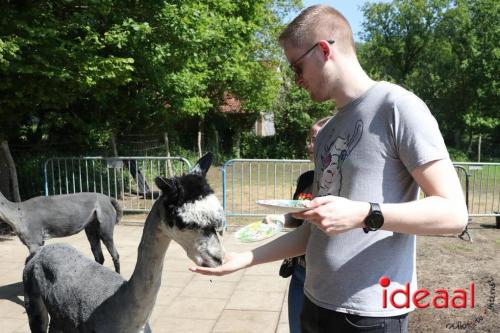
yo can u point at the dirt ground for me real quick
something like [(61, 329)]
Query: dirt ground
[(447, 262)]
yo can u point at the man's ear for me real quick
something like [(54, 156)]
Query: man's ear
[(325, 49), (201, 167)]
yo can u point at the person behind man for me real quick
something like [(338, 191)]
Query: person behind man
[(371, 158), (296, 267)]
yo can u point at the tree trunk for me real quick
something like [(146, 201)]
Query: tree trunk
[(8, 180), (8, 174), (237, 144), (457, 139), (217, 139)]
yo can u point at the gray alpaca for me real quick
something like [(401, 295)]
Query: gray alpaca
[(41, 218), (82, 296)]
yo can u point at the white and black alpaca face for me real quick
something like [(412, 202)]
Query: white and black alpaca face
[(194, 215)]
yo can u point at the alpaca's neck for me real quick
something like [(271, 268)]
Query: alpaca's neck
[(10, 212), (144, 284)]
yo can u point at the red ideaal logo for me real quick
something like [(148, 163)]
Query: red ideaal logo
[(440, 300)]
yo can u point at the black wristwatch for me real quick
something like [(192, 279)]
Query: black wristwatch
[(375, 218)]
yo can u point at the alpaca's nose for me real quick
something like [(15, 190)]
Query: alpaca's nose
[(217, 260), (212, 260)]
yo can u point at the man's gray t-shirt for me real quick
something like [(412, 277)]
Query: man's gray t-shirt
[(366, 153)]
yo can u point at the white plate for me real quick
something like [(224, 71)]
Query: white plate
[(285, 206)]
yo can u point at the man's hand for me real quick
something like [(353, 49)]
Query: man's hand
[(334, 215), (232, 262)]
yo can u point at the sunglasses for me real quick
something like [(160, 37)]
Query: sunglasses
[(298, 70)]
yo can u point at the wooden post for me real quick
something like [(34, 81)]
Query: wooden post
[(217, 139), (200, 133), (237, 144), (479, 149), (119, 185), (169, 162), (113, 145)]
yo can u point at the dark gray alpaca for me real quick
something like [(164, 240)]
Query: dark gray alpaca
[(82, 296), (41, 218)]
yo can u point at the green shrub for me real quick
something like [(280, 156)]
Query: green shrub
[(457, 155), (271, 147)]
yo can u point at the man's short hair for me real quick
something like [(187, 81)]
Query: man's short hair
[(315, 23)]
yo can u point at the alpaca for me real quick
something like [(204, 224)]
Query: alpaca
[(41, 218), (82, 296)]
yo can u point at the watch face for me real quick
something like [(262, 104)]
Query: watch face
[(375, 220)]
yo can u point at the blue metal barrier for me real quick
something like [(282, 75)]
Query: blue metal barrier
[(127, 179), (244, 181)]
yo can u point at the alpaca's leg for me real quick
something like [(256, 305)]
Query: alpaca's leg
[(107, 220), (92, 232), (107, 239), (35, 308)]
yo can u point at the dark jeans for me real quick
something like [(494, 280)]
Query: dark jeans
[(296, 297), (315, 319)]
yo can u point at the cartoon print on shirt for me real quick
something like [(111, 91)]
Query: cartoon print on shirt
[(333, 156)]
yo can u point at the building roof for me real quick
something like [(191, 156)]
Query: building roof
[(230, 104)]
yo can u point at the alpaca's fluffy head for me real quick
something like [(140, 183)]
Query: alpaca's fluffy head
[(192, 214)]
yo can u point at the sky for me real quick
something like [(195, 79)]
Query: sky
[(349, 8)]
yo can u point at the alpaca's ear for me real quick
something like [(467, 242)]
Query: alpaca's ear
[(165, 184), (201, 167)]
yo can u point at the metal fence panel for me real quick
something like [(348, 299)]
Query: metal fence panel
[(244, 181), (481, 184), (127, 179)]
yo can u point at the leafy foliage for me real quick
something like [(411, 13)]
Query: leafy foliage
[(447, 52), (76, 72), (105, 66)]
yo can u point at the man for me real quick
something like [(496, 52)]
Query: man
[(380, 147)]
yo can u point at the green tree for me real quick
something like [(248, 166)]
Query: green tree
[(295, 113), (84, 69), (447, 53), (397, 34), (59, 68)]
